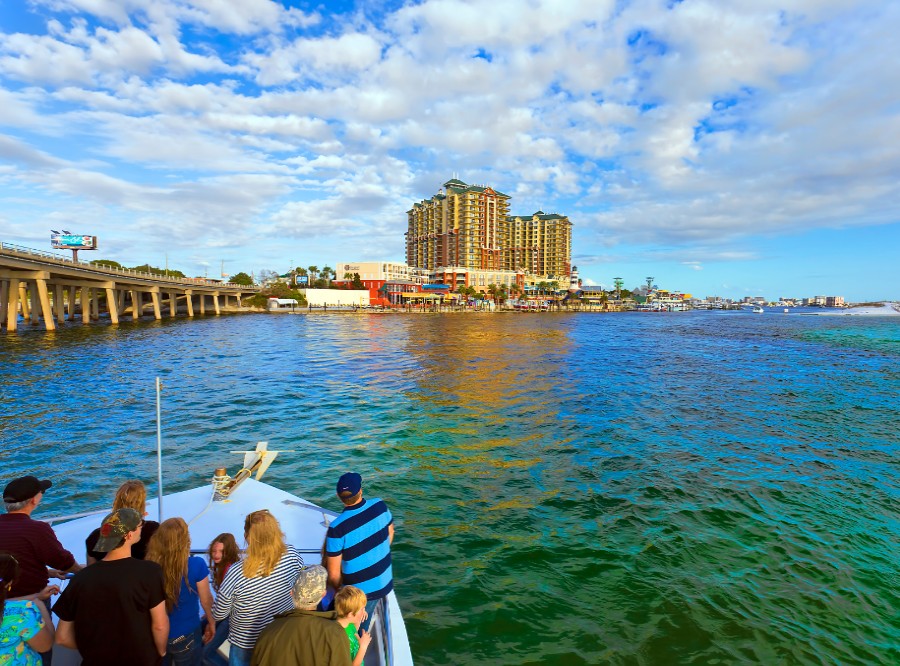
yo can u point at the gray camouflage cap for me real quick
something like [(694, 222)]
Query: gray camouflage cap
[(310, 586)]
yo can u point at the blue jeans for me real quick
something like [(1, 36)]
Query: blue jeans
[(211, 656), (239, 656), (370, 608), (185, 650)]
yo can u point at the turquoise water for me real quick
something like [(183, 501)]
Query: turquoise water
[(690, 488)]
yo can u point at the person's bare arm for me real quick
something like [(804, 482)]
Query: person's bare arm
[(65, 634), (391, 533), (159, 624), (334, 570), (206, 601), (42, 641), (364, 639)]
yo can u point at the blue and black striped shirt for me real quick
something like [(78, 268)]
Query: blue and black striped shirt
[(360, 536)]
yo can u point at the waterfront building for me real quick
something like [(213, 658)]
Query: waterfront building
[(469, 227), (834, 301), (480, 280), (386, 281)]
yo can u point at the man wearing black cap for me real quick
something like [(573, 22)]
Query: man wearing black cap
[(358, 544), (32, 542)]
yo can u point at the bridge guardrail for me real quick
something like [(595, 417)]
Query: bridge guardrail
[(43, 254)]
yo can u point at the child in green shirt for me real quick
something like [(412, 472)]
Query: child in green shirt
[(350, 604)]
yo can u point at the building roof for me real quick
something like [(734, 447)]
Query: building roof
[(539, 215)]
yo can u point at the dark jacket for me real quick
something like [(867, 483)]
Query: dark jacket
[(303, 638)]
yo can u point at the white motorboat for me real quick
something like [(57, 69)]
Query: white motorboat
[(757, 309), (221, 506)]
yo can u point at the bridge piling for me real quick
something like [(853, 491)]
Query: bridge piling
[(111, 305), (58, 304), (12, 305), (4, 295), (23, 300), (44, 297), (154, 297)]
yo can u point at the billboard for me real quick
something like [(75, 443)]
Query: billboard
[(72, 242), (302, 279)]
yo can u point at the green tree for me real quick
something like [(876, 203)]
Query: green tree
[(357, 282), (327, 272), (241, 278), (154, 270), (276, 290), (313, 272)]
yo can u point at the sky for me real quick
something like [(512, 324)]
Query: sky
[(728, 148)]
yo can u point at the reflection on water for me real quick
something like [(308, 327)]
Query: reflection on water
[(686, 488)]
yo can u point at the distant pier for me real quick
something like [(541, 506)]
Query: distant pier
[(49, 289)]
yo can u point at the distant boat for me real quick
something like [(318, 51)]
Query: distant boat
[(785, 311), (757, 309)]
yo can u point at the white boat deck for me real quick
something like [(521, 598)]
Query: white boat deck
[(303, 523)]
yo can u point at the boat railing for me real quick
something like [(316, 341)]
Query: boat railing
[(386, 630), (73, 516)]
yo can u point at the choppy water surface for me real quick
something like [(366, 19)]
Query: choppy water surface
[(626, 489)]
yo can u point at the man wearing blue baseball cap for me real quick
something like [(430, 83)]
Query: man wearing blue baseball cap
[(358, 544)]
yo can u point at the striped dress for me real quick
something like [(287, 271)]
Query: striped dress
[(253, 602)]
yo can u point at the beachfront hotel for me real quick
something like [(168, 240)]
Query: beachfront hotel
[(466, 230)]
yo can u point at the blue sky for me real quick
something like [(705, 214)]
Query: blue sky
[(724, 148)]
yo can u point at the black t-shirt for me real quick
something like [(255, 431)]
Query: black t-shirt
[(110, 603), (138, 550)]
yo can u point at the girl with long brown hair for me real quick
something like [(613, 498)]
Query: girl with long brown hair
[(253, 593), (186, 580), (223, 552)]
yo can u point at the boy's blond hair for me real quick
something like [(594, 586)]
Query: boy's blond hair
[(349, 600)]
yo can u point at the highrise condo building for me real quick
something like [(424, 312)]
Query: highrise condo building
[(470, 226)]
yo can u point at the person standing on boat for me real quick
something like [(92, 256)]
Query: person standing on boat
[(114, 611), (186, 578), (32, 542), (131, 495), (304, 636), (223, 552), (358, 544), (254, 592), (26, 629)]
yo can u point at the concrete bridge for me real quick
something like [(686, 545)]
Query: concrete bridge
[(48, 287)]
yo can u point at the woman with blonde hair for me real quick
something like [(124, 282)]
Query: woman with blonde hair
[(254, 592), (187, 589), (130, 495)]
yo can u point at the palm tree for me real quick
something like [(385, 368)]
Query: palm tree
[(313, 272), (327, 271)]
